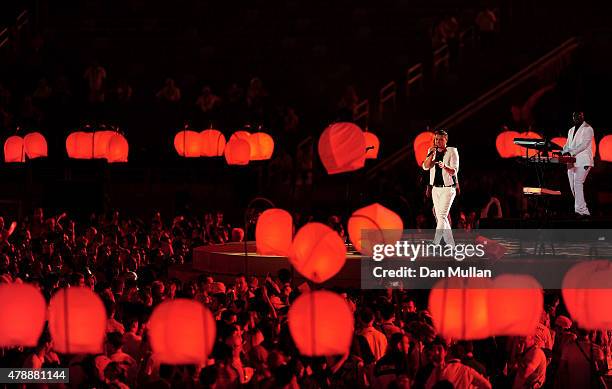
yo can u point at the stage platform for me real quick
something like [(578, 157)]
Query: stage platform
[(224, 262)]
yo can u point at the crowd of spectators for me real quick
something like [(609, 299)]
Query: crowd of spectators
[(395, 344)]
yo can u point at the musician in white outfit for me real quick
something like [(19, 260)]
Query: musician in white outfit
[(443, 165), (579, 140)]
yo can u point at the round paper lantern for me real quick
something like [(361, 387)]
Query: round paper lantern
[(118, 149), (187, 144), (79, 145), (273, 232), (561, 141), (515, 305), (101, 140), (14, 149), (262, 146), (24, 312), (237, 152), (317, 252), (372, 145), (35, 145), (421, 144), (244, 135), (459, 308), (77, 321), (605, 148), (321, 324), (372, 225), (505, 144), (342, 148), (587, 293), (212, 143), (182, 332)]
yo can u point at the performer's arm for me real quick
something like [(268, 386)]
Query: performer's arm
[(428, 163), (588, 139)]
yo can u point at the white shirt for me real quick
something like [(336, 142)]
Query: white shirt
[(458, 374), (579, 144), (450, 159)]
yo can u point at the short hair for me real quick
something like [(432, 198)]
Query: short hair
[(366, 315), (441, 132), (115, 339)]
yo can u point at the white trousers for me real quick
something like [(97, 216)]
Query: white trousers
[(442, 200), (577, 175)]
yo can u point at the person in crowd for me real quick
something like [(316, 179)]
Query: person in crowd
[(169, 93)]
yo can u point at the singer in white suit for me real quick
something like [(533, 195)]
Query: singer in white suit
[(579, 140), (443, 165)]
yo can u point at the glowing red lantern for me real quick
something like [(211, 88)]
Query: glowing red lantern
[(273, 232), (35, 145), (321, 323), (77, 321), (372, 145), (237, 152), (14, 149), (515, 305), (605, 148), (244, 135), (262, 146), (342, 148), (459, 308), (212, 143), (80, 145), (421, 144), (587, 293), (372, 225), (187, 144), (182, 332), (317, 252), (505, 144), (24, 312), (559, 141), (101, 139), (118, 149)]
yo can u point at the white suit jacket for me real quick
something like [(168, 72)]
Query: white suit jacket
[(451, 159), (579, 145)]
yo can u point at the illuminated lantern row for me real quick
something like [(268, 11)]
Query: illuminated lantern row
[(321, 324), (421, 144), (274, 232), (372, 225), (109, 145), (182, 332), (605, 148), (372, 145), (479, 308), (24, 312), (506, 147), (317, 252), (342, 148), (237, 152), (33, 145), (211, 143), (587, 293), (77, 321)]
